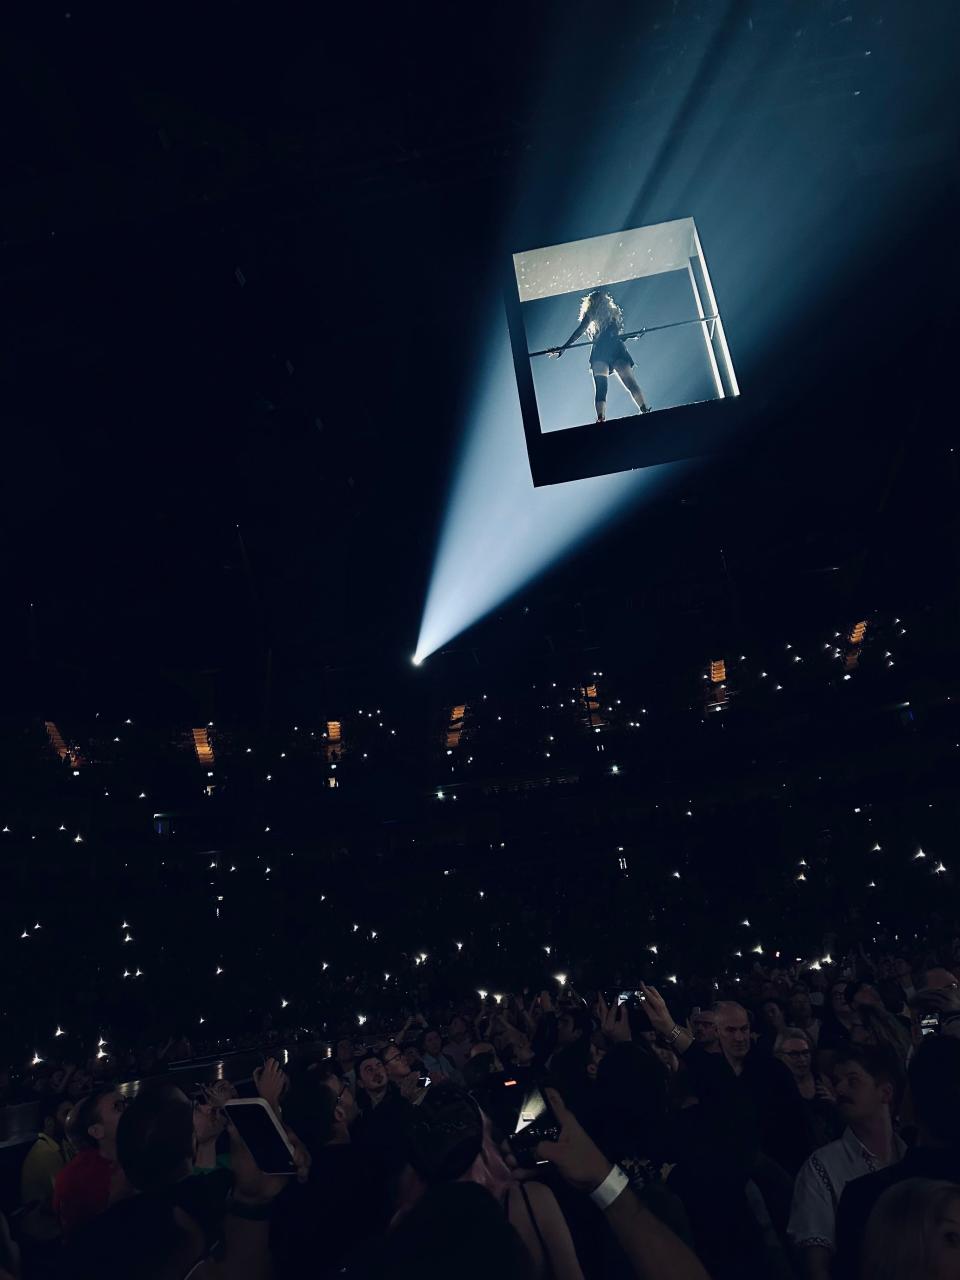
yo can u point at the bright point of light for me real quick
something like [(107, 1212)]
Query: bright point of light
[(482, 994), (361, 1018), (36, 1059), (500, 533), (561, 978), (59, 1032), (416, 661)]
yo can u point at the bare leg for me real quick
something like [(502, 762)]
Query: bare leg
[(626, 376), (601, 373)]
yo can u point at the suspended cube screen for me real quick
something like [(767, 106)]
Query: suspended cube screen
[(617, 326)]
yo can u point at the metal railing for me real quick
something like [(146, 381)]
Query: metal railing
[(629, 337)]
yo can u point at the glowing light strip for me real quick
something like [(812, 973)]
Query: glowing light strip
[(711, 297), (721, 394)]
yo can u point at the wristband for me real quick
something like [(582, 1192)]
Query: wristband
[(608, 1190), (676, 1033), (250, 1212)]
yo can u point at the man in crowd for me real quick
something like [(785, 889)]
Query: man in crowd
[(457, 1047), (436, 1062), (39, 1172), (399, 1072), (748, 1098), (93, 1179), (703, 1027), (800, 1009), (864, 1088), (934, 1083), (346, 1058), (384, 1115)]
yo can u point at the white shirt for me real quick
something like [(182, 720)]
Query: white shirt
[(820, 1183)]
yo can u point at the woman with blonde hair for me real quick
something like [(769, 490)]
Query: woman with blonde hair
[(602, 321), (914, 1233)]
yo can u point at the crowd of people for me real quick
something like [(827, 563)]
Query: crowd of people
[(802, 1122)]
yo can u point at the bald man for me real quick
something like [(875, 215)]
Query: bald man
[(748, 1098)]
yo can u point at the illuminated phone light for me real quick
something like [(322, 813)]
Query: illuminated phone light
[(78, 838), (509, 1084), (738, 954), (126, 973), (547, 949), (101, 1042), (561, 978), (498, 998), (671, 977), (828, 959), (482, 994), (138, 974), (325, 966), (871, 884), (745, 923), (801, 876), (816, 965), (386, 977), (653, 948), (217, 971), (59, 1032), (875, 849), (60, 828), (283, 1003), (373, 935), (361, 1018), (423, 957), (36, 1059), (676, 875), (939, 869), (459, 946), (128, 937), (919, 854), (355, 928), (142, 795), (758, 949), (101, 1053)]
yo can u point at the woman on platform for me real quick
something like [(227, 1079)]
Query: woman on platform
[(602, 321)]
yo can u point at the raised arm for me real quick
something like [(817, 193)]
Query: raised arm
[(661, 1019), (652, 1249)]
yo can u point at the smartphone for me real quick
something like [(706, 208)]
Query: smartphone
[(536, 1123), (631, 998), (930, 1024), (263, 1134)]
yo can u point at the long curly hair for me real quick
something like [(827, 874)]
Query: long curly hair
[(600, 309)]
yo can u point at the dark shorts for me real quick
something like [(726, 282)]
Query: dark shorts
[(610, 350)]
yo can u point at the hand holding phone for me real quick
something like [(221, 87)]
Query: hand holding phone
[(535, 1124), (262, 1138), (579, 1160)]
